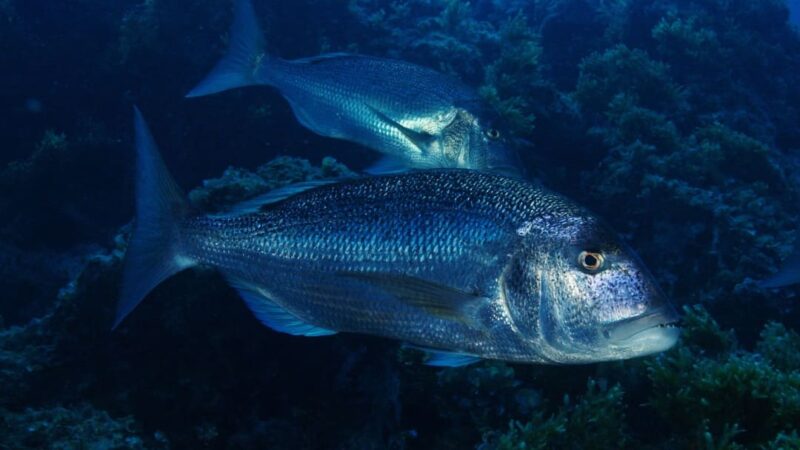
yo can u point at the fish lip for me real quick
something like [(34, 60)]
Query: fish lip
[(628, 330)]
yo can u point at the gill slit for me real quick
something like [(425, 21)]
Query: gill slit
[(506, 310)]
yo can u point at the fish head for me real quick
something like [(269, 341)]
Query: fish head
[(492, 148), (478, 142), (579, 295)]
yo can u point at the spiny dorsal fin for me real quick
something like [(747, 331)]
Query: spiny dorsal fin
[(254, 204), (326, 57)]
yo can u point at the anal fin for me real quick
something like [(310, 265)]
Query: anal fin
[(255, 204), (275, 316), (445, 358)]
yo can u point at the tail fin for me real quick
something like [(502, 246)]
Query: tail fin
[(153, 251), (244, 63)]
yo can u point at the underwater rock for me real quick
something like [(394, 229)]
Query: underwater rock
[(686, 147), (233, 186), (34, 275), (138, 30), (29, 353), (61, 428), (237, 185)]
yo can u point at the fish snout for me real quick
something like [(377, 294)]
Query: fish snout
[(657, 329)]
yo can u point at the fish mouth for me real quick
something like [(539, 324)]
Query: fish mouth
[(655, 330)]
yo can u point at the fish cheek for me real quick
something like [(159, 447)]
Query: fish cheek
[(621, 294), (459, 137)]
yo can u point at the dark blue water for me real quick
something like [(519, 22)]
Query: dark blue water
[(794, 12), (677, 121)]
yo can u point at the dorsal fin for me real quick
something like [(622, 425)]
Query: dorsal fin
[(254, 204), (325, 57)]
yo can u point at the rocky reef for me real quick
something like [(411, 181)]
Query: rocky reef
[(676, 120)]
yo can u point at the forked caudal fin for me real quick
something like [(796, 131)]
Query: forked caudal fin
[(245, 62), (153, 251)]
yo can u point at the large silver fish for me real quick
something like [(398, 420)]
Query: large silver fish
[(463, 263), (418, 117)]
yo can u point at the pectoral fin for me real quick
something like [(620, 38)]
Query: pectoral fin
[(388, 165), (437, 299), (420, 139)]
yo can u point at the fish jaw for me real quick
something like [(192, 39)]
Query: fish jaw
[(653, 332)]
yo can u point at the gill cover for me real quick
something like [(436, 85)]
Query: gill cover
[(523, 296)]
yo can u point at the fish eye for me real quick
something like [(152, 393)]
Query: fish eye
[(591, 261), (493, 133)]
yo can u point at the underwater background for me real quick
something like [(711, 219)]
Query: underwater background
[(677, 121)]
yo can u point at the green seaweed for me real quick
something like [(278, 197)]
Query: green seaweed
[(676, 120), (710, 392), (594, 421), (621, 70), (780, 346), (514, 78)]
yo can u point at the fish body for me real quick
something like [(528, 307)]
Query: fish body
[(462, 262), (416, 116)]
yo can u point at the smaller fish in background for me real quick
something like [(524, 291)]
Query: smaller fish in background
[(464, 264), (788, 274), (417, 117)]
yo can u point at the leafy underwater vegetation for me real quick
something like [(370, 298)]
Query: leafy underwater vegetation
[(684, 111)]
